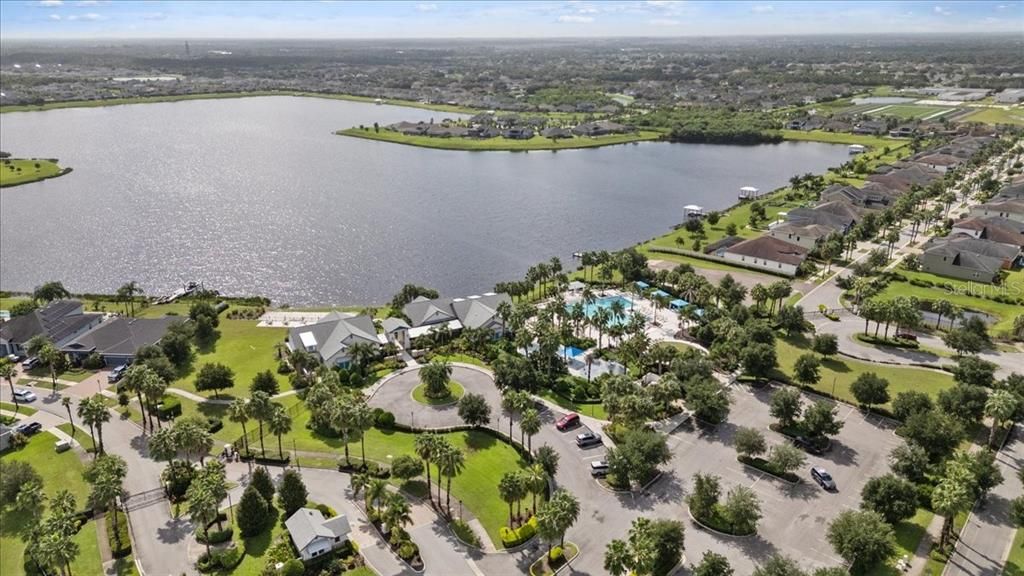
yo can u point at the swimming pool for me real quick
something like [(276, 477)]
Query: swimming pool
[(607, 302), (569, 351)]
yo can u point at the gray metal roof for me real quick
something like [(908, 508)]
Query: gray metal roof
[(122, 336), (336, 332), (472, 311), (58, 321), (307, 524)]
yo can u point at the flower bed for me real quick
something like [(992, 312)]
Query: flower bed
[(512, 537), (718, 522), (766, 467), (550, 563), (891, 342)]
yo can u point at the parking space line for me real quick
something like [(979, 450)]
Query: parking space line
[(594, 457)]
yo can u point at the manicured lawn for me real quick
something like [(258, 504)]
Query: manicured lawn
[(464, 358), (71, 375), (256, 547), (15, 171), (843, 371), (456, 390), (592, 410), (1015, 563), (487, 459), (21, 408), (839, 138), (1014, 116), (1005, 312), (908, 536), (697, 263), (59, 472), (500, 143), (80, 435), (245, 348)]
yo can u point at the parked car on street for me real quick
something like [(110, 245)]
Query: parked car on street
[(906, 336), (570, 420), (15, 358), (22, 395), (599, 469), (587, 439), (823, 478)]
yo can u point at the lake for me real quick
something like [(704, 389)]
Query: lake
[(257, 196)]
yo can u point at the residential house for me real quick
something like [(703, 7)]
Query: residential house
[(905, 131), (1010, 209), (995, 229), (330, 339), (314, 536), (940, 162), (601, 128), (903, 179), (396, 330), (874, 127), (805, 236), (769, 254), (719, 247), (60, 321), (867, 197), (966, 258), (555, 132), (838, 215), (518, 133), (457, 313), (117, 340)]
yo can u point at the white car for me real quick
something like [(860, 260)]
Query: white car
[(22, 395)]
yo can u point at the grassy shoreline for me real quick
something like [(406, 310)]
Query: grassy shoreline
[(499, 144), (19, 171)]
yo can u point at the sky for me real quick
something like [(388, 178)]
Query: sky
[(499, 19)]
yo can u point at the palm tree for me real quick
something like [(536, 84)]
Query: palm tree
[(94, 413), (1001, 407), (360, 354), (7, 372), (153, 389), (425, 446), (530, 424), (359, 483), (398, 513), (950, 497), (617, 558), (51, 356), (238, 412), (260, 408), (66, 403), (203, 508), (435, 376), (759, 294), (513, 401), (376, 491), (942, 308), (510, 488), (134, 380), (363, 420), (451, 464), (279, 424), (536, 482), (567, 511)]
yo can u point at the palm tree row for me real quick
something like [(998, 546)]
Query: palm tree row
[(447, 459), (903, 311)]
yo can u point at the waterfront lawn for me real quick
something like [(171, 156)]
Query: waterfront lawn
[(843, 371), (22, 171), (839, 138), (58, 471), (245, 348), (908, 535), (1013, 116), (487, 459), (500, 143), (1005, 312), (1015, 562)]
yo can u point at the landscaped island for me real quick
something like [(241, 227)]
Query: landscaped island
[(501, 143), (16, 171)]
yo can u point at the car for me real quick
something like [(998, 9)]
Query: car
[(587, 439), (117, 373), (30, 363), (570, 420), (62, 445), (599, 469), (15, 358), (823, 478), (29, 428), (22, 395), (906, 336), (807, 444)]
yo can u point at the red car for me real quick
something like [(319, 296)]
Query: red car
[(570, 420)]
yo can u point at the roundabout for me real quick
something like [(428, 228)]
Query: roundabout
[(455, 391), (402, 395)]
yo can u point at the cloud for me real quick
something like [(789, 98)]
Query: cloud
[(49, 3), (664, 22), (87, 3), (55, 17), (570, 18), (943, 11), (154, 16), (762, 9), (427, 7), (91, 17), (661, 3)]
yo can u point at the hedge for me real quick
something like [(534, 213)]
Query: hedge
[(511, 538), (215, 536), (169, 408), (120, 542)]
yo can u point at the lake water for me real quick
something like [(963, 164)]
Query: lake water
[(257, 196)]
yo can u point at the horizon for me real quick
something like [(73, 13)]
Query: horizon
[(498, 20)]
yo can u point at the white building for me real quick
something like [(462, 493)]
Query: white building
[(314, 536)]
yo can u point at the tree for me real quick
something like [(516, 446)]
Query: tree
[(909, 461), (474, 410), (292, 494), (253, 512), (862, 538), (176, 348), (936, 432), (963, 341), (548, 458), (406, 467), (641, 451), (265, 382), (708, 400), (51, 357), (807, 369), (973, 371), (951, 496), (759, 360), (1001, 407), (426, 447), (653, 547), (778, 565), (263, 483), (511, 488), (397, 513), (557, 515), (279, 424), (260, 410), (825, 344), (93, 412), (891, 496), (786, 406), (530, 425), (742, 509), (203, 508), (50, 291), (785, 458), (870, 389), (434, 377), (14, 476), (712, 564), (749, 442), (965, 402), (215, 377), (451, 463), (410, 292), (820, 420), (704, 495), (376, 494), (791, 319), (238, 412), (911, 402)]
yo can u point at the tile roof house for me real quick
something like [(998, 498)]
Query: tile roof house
[(329, 339), (867, 197), (966, 258), (996, 229), (315, 536), (806, 236), (1010, 209), (457, 313), (60, 321), (837, 215), (768, 253), (117, 340), (906, 178)]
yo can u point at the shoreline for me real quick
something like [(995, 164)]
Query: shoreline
[(500, 144), (45, 163)]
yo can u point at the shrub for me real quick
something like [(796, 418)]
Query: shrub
[(230, 557), (293, 567), (120, 542), (93, 362), (215, 536), (169, 408), (214, 424), (383, 419), (326, 510), (514, 537), (556, 555), (407, 551)]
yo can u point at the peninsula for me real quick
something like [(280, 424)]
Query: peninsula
[(17, 171)]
